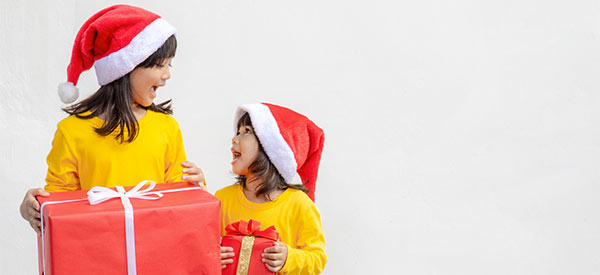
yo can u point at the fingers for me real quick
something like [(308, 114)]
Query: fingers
[(275, 256), (225, 262), (226, 256), (39, 192), (35, 224), (273, 269), (225, 249), (31, 201), (30, 207), (227, 252), (33, 213), (278, 247), (193, 171), (188, 164), (194, 174), (197, 180), (273, 265)]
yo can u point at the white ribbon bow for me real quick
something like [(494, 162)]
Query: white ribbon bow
[(100, 194)]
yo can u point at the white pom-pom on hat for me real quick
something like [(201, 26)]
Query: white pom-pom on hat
[(67, 92)]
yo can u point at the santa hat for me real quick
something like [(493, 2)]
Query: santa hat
[(292, 142), (115, 40)]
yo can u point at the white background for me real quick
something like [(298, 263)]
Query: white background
[(461, 136)]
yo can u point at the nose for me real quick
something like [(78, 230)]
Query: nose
[(234, 140), (167, 73)]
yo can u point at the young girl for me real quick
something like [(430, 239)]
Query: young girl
[(271, 147), (117, 136)]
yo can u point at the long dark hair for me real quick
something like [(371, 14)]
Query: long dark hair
[(115, 99), (266, 173)]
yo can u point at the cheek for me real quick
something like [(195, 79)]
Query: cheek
[(251, 150), (254, 152)]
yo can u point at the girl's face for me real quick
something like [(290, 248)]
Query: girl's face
[(244, 149), (145, 82)]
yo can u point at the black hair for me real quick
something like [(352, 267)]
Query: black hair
[(265, 172), (116, 98)]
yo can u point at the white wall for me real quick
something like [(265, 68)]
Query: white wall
[(461, 136)]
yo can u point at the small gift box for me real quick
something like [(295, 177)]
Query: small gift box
[(173, 229), (248, 243)]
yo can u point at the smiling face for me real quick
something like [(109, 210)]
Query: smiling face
[(244, 149), (145, 82)]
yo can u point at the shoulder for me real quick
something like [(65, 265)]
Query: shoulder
[(73, 124), (160, 121), (70, 121), (298, 198), (227, 191), (161, 117)]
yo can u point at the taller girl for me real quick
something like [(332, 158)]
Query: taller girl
[(118, 135)]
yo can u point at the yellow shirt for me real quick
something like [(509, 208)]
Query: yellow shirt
[(294, 216), (81, 159)]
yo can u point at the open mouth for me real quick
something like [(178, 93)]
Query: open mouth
[(153, 91), (236, 155)]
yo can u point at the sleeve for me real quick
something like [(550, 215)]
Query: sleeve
[(175, 156), (308, 255), (62, 166)]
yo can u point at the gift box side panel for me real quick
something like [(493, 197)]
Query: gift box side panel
[(90, 243), (179, 239), (256, 264)]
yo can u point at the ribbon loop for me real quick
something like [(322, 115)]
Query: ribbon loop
[(251, 228), (100, 194)]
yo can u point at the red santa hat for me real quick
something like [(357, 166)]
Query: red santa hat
[(292, 142), (115, 40)]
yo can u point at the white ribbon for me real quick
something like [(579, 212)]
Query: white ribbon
[(100, 194)]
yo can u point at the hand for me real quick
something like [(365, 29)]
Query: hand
[(275, 256), (194, 174), (30, 208), (226, 256)]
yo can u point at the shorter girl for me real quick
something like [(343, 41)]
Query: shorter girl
[(272, 146)]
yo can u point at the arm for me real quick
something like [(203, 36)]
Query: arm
[(307, 255), (175, 156), (62, 176), (62, 165)]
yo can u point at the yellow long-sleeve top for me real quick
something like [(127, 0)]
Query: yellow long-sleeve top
[(294, 216), (81, 159)]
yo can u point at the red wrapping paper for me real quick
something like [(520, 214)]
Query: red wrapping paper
[(176, 234), (262, 239)]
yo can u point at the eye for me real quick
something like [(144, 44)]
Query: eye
[(248, 131), (170, 65)]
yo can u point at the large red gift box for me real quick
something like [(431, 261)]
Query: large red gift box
[(248, 243), (175, 231)]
